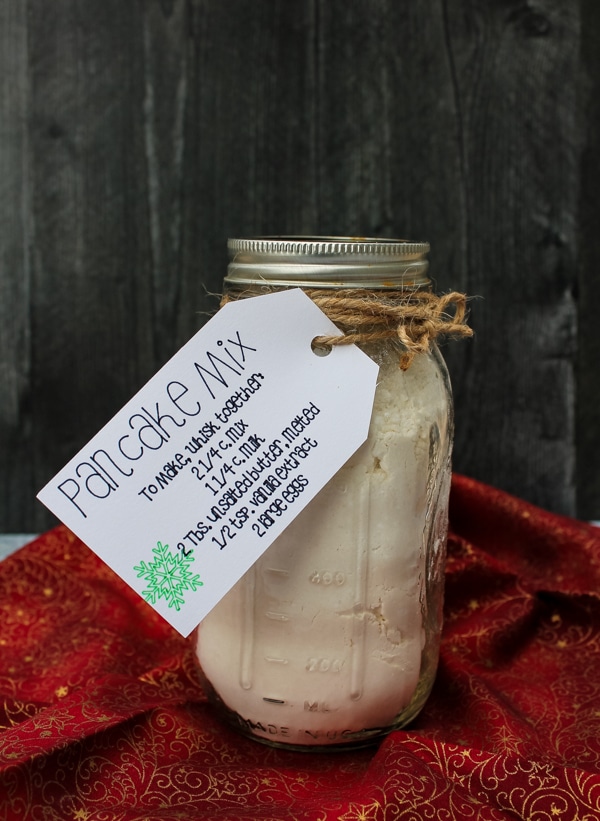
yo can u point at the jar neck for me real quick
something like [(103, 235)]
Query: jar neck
[(271, 263)]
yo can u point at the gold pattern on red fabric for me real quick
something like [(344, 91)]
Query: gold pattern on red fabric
[(102, 715)]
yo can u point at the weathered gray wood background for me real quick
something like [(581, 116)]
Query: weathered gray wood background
[(136, 136)]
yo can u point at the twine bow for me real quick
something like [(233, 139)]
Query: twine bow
[(414, 319)]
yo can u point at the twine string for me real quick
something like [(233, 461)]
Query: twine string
[(414, 319)]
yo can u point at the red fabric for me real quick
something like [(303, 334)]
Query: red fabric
[(102, 716)]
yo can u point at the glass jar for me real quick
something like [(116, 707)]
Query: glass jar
[(332, 638)]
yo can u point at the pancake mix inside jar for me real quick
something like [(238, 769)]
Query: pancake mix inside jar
[(331, 639)]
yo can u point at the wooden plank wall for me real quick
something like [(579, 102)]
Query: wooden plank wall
[(136, 136)]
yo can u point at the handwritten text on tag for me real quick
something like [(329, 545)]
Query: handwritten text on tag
[(206, 465)]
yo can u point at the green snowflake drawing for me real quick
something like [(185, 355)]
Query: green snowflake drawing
[(168, 576)]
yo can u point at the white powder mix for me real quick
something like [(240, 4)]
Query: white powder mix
[(324, 637)]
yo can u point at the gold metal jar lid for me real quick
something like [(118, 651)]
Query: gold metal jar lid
[(327, 262)]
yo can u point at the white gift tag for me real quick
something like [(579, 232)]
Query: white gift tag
[(198, 474)]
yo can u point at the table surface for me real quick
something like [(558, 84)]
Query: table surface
[(9, 542)]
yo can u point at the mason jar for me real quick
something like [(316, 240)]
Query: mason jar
[(332, 638)]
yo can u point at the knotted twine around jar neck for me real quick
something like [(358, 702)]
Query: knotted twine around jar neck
[(414, 319)]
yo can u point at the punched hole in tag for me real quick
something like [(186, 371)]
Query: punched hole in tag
[(319, 348)]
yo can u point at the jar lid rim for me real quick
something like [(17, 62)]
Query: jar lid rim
[(325, 247)]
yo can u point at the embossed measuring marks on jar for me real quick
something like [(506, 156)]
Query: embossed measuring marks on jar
[(270, 627)]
